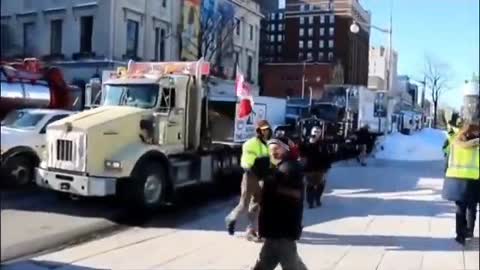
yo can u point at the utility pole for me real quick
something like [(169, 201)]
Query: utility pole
[(424, 83), (303, 79)]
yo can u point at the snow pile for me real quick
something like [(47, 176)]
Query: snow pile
[(423, 145)]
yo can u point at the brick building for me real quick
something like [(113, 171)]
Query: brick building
[(316, 32), (285, 79)]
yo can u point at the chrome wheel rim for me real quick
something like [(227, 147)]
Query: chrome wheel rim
[(152, 189)]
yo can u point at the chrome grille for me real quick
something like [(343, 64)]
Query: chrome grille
[(64, 150)]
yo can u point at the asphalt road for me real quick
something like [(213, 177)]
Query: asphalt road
[(35, 220)]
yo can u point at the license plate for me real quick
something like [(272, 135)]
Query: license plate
[(65, 186)]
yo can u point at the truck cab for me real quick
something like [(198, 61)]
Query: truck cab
[(145, 140)]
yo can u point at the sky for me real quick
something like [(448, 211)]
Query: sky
[(447, 30)]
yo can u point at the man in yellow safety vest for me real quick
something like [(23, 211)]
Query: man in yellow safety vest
[(252, 149)]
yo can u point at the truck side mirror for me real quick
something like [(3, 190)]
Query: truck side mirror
[(147, 130)]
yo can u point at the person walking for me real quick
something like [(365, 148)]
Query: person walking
[(281, 208), (252, 149), (316, 159), (364, 139), (462, 178)]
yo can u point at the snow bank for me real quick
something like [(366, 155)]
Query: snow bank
[(420, 146)]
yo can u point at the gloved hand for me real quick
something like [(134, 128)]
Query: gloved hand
[(261, 167)]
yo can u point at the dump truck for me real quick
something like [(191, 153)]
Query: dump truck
[(151, 135)]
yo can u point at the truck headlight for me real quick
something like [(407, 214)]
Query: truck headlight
[(113, 164)]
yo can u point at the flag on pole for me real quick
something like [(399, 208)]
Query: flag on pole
[(244, 93)]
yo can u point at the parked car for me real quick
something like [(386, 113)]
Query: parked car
[(23, 142)]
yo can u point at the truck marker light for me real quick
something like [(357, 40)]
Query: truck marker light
[(110, 164)]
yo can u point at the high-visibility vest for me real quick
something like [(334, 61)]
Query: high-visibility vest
[(463, 162), (450, 137), (251, 150)]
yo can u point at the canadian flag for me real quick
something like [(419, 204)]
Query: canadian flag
[(244, 93)]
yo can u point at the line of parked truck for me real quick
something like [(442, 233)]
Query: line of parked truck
[(158, 126)]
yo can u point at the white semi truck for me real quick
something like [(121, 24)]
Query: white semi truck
[(155, 131)]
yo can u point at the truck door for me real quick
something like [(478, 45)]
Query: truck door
[(176, 116)]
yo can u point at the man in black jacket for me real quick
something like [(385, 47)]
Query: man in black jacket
[(281, 208)]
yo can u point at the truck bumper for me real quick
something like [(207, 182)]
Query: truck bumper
[(75, 184)]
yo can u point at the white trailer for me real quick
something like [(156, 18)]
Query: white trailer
[(229, 127), (366, 110)]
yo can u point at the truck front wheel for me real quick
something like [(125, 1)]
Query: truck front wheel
[(19, 170), (148, 186)]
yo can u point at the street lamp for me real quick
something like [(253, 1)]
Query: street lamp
[(355, 28)]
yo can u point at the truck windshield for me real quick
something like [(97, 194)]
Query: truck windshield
[(326, 112), (135, 95), (23, 119)]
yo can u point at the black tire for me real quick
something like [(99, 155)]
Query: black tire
[(19, 170), (62, 196), (148, 187)]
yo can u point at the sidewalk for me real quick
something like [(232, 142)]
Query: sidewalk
[(386, 216)]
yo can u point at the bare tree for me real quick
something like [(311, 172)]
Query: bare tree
[(215, 37), (437, 76)]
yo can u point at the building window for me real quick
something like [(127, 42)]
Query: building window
[(249, 68), (28, 38), (272, 38), (300, 44), (332, 18), (310, 32), (300, 55), (279, 49), (237, 26), (280, 16), (322, 32), (302, 32), (302, 20), (237, 58), (320, 56), (310, 19), (322, 44), (56, 36), (86, 32), (280, 38), (309, 56), (132, 38), (159, 44), (251, 32), (322, 18), (331, 31), (330, 56), (164, 3), (302, 7), (272, 27), (330, 43), (310, 44)]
